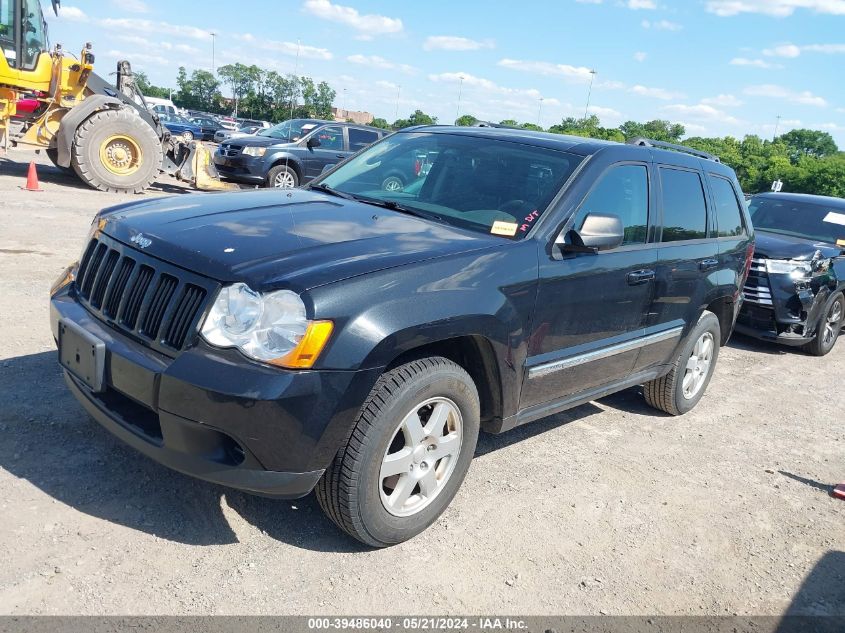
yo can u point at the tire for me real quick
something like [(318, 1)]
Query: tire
[(671, 393), (353, 492), (53, 155), (282, 177), (829, 327), (128, 140), (187, 136), (393, 183)]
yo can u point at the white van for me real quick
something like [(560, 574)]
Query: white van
[(162, 106)]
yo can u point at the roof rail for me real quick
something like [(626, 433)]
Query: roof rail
[(645, 142), (496, 125)]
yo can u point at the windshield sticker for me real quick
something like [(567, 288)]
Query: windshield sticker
[(504, 228), (835, 218), (528, 220)]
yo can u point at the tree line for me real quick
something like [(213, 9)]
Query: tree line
[(807, 161)]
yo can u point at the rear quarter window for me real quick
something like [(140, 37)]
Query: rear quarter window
[(684, 208), (728, 211)]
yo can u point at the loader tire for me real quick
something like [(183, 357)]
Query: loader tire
[(53, 155), (116, 151)]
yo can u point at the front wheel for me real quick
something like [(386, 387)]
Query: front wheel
[(829, 327), (409, 451), (680, 390), (117, 151), (282, 177), (187, 136)]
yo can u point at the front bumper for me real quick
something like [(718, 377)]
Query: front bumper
[(241, 167), (215, 415)]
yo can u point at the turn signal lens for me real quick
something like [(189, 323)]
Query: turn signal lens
[(305, 354)]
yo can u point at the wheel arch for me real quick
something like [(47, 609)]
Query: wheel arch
[(76, 117), (725, 310), (289, 160)]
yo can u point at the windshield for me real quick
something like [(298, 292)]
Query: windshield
[(483, 184), (798, 219), (292, 130)]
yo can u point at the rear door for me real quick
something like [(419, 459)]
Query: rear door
[(359, 138), (687, 257)]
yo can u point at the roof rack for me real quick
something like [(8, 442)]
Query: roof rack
[(645, 142), (496, 125)]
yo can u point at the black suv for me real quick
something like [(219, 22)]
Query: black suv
[(794, 292), (291, 153), (354, 339)]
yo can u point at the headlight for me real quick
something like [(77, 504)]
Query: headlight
[(271, 328), (67, 276), (795, 268), (255, 151)]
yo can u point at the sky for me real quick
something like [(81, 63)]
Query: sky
[(720, 67)]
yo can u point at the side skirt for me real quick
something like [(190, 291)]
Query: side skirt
[(546, 409)]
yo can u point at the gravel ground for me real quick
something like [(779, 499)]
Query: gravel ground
[(609, 508)]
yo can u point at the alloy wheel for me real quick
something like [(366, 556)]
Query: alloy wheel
[(698, 365), (284, 180), (833, 323)]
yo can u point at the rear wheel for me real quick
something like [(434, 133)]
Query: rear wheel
[(408, 453), (187, 136), (829, 327), (680, 390), (282, 177), (393, 183), (117, 151)]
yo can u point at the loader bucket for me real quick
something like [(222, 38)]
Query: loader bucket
[(197, 168)]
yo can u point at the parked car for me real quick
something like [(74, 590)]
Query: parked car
[(250, 122), (291, 153), (354, 339), (208, 125), (794, 293), (180, 126), (223, 134)]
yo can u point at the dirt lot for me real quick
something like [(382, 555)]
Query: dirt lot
[(609, 508)]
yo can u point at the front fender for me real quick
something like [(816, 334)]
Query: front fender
[(73, 119), (282, 158)]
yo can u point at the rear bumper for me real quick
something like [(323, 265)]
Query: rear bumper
[(214, 414)]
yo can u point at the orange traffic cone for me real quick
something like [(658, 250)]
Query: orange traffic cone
[(839, 491), (32, 179)]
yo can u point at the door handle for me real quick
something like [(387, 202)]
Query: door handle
[(340, 155), (638, 277), (708, 264)]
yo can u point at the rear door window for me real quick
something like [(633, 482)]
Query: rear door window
[(684, 208), (359, 139), (728, 211)]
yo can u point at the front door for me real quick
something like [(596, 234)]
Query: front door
[(591, 308), (332, 150)]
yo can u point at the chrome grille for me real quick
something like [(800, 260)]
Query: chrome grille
[(757, 289), (229, 150), (146, 298)]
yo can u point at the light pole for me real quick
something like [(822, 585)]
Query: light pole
[(460, 91), (540, 112), (589, 92), (213, 61), (398, 92), (777, 125)]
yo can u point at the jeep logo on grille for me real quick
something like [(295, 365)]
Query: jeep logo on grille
[(140, 240)]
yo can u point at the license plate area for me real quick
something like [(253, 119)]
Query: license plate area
[(83, 355)]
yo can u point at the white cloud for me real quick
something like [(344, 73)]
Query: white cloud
[(824, 48), (776, 8), (133, 6), (472, 81), (693, 128), (139, 58), (700, 112), (291, 49), (754, 63), (833, 127), (371, 24), (784, 50), (604, 113), (641, 4), (453, 43), (661, 25), (656, 93), (581, 73), (779, 92), (374, 61), (640, 56), (136, 25), (723, 101), (72, 14)]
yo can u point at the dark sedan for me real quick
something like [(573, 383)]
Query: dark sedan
[(208, 126), (180, 126)]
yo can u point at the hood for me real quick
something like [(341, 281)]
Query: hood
[(777, 246), (272, 238), (262, 141)]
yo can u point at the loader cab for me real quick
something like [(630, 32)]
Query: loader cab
[(23, 33)]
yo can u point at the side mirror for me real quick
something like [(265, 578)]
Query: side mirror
[(314, 142), (600, 232)]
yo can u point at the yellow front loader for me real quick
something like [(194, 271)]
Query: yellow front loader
[(102, 132)]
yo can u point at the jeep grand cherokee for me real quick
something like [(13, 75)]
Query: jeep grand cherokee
[(354, 339)]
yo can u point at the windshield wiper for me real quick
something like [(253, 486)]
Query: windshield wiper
[(401, 208), (332, 192)]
